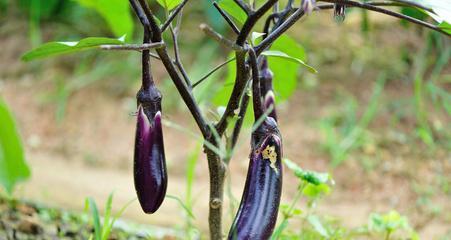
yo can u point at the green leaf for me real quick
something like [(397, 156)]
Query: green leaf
[(315, 191), (169, 4), (233, 10), (58, 48), (312, 177), (445, 26), (273, 53), (13, 167), (285, 72), (255, 36), (115, 12), (95, 217), (106, 228), (317, 225)]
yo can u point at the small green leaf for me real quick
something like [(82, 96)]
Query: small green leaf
[(106, 228), (312, 177), (169, 4), (445, 26), (115, 12), (58, 48), (317, 225), (13, 167), (234, 10), (272, 53), (286, 72), (315, 191), (95, 218), (255, 36)]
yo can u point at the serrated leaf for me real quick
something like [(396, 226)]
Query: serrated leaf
[(312, 177), (169, 4), (115, 12), (233, 10), (13, 167), (58, 48), (273, 53)]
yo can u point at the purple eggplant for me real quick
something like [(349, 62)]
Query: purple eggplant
[(266, 87), (257, 214), (149, 166)]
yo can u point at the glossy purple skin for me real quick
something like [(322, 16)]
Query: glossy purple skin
[(266, 89), (259, 206), (270, 100), (149, 165)]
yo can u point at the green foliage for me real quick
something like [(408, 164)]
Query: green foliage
[(169, 4), (279, 54), (58, 48), (445, 26), (115, 12), (233, 9), (102, 231), (285, 71), (338, 143), (13, 167), (389, 223), (312, 177)]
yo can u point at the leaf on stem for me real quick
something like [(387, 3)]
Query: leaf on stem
[(58, 48), (279, 54)]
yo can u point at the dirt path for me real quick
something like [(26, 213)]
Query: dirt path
[(89, 154)]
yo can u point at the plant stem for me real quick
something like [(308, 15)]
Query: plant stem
[(217, 174)]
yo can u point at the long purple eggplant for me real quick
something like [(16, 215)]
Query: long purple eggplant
[(149, 166), (257, 214)]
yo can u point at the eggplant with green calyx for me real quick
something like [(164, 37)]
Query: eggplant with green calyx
[(259, 206)]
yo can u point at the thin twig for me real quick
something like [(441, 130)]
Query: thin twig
[(149, 22), (178, 61), (135, 47), (173, 15), (241, 79), (279, 31), (244, 6), (252, 20), (219, 38), (227, 18), (152, 23), (256, 96), (239, 122), (387, 12), (212, 71)]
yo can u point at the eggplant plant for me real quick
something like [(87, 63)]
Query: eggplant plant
[(257, 214)]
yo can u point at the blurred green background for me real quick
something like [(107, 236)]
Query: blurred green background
[(376, 117)]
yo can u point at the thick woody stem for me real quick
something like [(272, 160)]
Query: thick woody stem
[(217, 174)]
